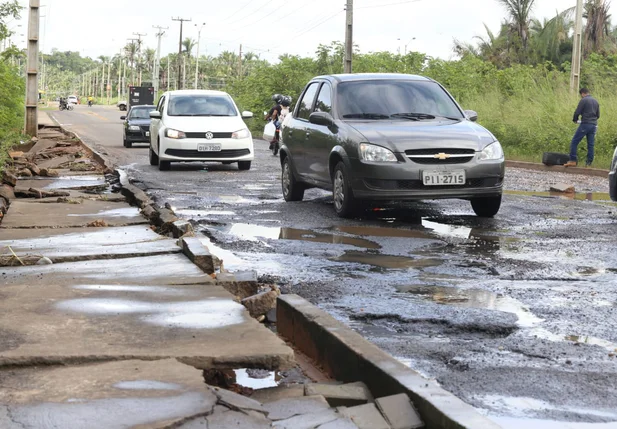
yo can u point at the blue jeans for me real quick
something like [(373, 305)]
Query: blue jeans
[(584, 130)]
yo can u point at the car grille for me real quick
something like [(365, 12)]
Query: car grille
[(145, 128), (203, 135), (229, 153), (411, 185), (430, 156)]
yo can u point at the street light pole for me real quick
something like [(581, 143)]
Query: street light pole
[(32, 96), (182, 21), (197, 56), (157, 64)]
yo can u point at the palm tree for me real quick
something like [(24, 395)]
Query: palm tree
[(598, 28), (188, 45), (551, 38), (520, 17)]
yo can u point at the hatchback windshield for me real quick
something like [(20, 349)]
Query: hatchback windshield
[(141, 113), (404, 100), (201, 105)]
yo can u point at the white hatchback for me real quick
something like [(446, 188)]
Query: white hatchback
[(199, 125)]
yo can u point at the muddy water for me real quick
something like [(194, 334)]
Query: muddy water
[(580, 196), (388, 261)]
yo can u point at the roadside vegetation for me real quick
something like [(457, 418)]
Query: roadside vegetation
[(12, 88)]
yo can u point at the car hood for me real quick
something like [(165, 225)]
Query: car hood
[(190, 124), (139, 121), (400, 136)]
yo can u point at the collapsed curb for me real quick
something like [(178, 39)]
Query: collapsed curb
[(346, 356), (536, 166)]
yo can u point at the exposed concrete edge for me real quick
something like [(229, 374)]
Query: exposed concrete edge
[(595, 172), (346, 356), (135, 195)]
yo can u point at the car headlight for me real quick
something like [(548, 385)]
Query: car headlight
[(133, 128), (374, 153), (174, 134), (241, 134), (492, 152)]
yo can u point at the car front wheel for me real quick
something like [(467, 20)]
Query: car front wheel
[(244, 165), (292, 189), (127, 144), (344, 200), (154, 158), (486, 207)]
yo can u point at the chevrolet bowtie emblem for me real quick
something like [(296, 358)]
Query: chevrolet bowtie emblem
[(442, 156)]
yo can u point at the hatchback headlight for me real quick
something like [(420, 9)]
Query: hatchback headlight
[(241, 134), (134, 128), (374, 153), (492, 152), (174, 134)]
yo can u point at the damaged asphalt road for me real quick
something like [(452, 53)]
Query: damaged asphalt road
[(515, 315)]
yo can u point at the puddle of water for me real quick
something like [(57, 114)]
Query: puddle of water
[(254, 232), (473, 298), (580, 196), (243, 379), (584, 339), (146, 385), (372, 231), (122, 212), (388, 261), (67, 182), (447, 230), (200, 213), (206, 314)]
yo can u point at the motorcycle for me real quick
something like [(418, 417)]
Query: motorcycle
[(89, 103), (63, 105)]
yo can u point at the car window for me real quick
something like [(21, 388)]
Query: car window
[(306, 104), (201, 105), (161, 105), (324, 99), (382, 99), (140, 113)]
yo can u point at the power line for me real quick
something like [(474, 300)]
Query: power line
[(249, 14), (387, 4), (315, 26)]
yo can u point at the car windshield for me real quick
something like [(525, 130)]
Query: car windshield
[(391, 99), (201, 105), (141, 113)]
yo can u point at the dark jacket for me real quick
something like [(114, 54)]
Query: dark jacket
[(589, 109)]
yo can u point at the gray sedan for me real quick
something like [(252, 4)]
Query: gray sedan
[(388, 137)]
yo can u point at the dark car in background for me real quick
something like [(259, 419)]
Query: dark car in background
[(612, 177), (137, 125), (388, 138)]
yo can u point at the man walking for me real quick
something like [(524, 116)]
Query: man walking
[(588, 111)]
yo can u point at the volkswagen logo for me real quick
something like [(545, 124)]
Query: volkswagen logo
[(209, 135)]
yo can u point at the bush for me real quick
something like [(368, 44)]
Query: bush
[(12, 92)]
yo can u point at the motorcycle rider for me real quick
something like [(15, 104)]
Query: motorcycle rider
[(90, 101), (274, 115)]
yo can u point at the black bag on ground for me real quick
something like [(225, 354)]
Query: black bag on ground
[(554, 158)]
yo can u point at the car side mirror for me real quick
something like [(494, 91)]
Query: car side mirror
[(471, 115), (247, 115), (321, 118), (155, 114), (123, 118)]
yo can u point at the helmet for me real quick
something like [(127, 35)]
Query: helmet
[(286, 101), (277, 98)]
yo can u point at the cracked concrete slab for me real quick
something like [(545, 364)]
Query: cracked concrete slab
[(34, 214), (75, 244), (109, 395), (76, 313)]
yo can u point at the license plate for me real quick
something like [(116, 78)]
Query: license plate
[(147, 133), (441, 178), (209, 148)]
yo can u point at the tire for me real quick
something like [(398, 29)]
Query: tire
[(486, 207), (154, 158), (127, 144), (164, 165), (292, 189), (244, 165), (345, 203)]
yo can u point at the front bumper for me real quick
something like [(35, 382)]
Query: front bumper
[(403, 180), (137, 136), (186, 150)]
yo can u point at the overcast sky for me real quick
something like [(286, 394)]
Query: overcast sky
[(270, 28)]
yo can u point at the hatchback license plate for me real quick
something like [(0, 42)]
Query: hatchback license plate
[(441, 178), (209, 148)]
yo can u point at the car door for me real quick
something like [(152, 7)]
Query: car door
[(295, 134), (320, 139), (156, 124)]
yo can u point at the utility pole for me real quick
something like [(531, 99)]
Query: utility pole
[(349, 36), (139, 36), (182, 21), (133, 60), (109, 82), (575, 78), (32, 87), (240, 63), (157, 64), (197, 56), (120, 75)]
